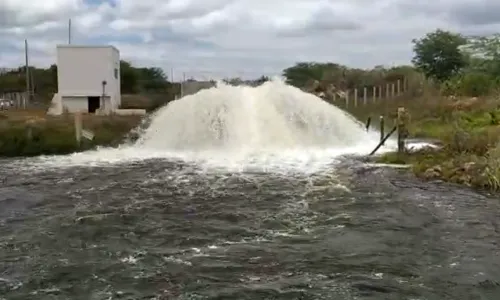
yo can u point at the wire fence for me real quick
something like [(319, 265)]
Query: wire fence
[(366, 95), (14, 100)]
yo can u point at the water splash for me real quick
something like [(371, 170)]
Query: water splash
[(270, 127), (273, 117)]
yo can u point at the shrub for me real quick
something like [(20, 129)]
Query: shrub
[(492, 168), (474, 84)]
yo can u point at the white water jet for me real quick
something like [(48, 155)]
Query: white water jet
[(273, 117), (273, 127)]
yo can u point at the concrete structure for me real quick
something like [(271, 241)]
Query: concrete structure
[(193, 87), (88, 79)]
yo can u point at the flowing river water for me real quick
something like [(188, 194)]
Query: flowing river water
[(167, 230), (133, 224)]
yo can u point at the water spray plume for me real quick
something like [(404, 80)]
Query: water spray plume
[(272, 126), (270, 117)]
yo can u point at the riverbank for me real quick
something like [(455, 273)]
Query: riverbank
[(468, 132), (31, 132)]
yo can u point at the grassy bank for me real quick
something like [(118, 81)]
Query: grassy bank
[(468, 129), (31, 133)]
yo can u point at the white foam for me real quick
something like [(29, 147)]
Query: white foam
[(414, 146), (271, 126), (270, 118)]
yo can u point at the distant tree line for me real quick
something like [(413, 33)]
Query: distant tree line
[(344, 78), (134, 80), (44, 80), (453, 63)]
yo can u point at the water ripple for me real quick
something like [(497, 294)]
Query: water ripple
[(168, 230)]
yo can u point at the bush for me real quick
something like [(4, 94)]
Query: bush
[(473, 84), (492, 168), (474, 160), (469, 132)]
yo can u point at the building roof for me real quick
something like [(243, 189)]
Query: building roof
[(87, 46)]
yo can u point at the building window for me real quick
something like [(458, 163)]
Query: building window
[(116, 73)]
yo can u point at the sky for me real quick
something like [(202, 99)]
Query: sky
[(211, 39)]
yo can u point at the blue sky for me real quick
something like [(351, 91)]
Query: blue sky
[(247, 38)]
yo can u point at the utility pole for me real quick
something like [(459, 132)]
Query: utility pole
[(32, 85), (69, 32), (103, 96), (28, 90), (182, 84)]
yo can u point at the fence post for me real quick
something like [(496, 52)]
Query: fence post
[(22, 98), (29, 129), (387, 93), (364, 96), (382, 129), (399, 87), (78, 128), (393, 90), (374, 94), (347, 99), (380, 93), (355, 97), (402, 129)]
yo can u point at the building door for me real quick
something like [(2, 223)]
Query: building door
[(94, 104)]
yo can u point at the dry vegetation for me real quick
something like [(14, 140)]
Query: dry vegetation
[(32, 132), (456, 101), (468, 129)]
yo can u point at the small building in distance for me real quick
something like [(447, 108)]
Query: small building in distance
[(88, 80), (191, 87)]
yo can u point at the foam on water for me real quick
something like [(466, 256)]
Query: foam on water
[(270, 118), (273, 126)]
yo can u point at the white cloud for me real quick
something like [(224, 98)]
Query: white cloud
[(213, 38), (30, 13)]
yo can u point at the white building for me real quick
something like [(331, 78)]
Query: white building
[(88, 79)]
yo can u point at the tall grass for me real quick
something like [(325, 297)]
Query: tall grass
[(30, 133), (468, 128)]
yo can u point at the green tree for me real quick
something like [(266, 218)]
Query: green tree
[(438, 54), (233, 81), (484, 53), (44, 80), (129, 78), (301, 73), (309, 74), (152, 79), (262, 79), (152, 73)]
